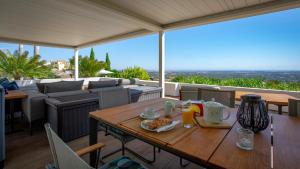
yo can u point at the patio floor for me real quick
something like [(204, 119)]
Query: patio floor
[(32, 152)]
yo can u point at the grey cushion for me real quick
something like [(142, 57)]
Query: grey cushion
[(41, 86), (63, 86), (34, 105), (67, 93), (135, 81), (124, 82), (29, 87), (101, 84), (144, 89), (96, 90)]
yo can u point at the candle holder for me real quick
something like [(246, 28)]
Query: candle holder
[(252, 113)]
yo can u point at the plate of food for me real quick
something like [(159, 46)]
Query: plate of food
[(158, 125)]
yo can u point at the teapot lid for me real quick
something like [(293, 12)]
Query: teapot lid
[(213, 104)]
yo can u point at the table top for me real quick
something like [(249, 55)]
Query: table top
[(212, 147), (286, 142), (15, 94), (196, 142), (229, 156), (271, 98)]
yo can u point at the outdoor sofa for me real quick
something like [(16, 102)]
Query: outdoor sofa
[(53, 102)]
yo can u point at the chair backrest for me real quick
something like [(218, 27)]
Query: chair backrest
[(2, 123), (226, 97), (63, 156), (114, 97), (294, 107), (188, 93)]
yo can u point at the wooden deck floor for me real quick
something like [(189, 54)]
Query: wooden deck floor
[(32, 152)]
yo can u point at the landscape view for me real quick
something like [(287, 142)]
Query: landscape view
[(149, 84)]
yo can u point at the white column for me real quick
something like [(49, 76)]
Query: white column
[(21, 47), (36, 50), (162, 62), (76, 72)]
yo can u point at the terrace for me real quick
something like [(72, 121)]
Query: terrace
[(76, 115)]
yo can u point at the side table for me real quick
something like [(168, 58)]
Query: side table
[(12, 96)]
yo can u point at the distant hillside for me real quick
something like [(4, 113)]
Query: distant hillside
[(284, 76)]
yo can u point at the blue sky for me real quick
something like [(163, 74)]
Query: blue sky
[(266, 42)]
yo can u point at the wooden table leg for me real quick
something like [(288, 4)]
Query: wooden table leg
[(279, 109), (12, 115), (93, 139)]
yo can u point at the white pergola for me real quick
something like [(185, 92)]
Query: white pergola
[(82, 23)]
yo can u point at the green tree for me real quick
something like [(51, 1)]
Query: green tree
[(19, 66), (92, 54), (132, 72), (88, 65), (107, 62)]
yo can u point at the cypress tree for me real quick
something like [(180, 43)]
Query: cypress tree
[(107, 62)]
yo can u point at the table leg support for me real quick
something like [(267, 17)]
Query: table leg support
[(93, 139), (12, 115), (279, 109)]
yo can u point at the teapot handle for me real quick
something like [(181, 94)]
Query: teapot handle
[(228, 114)]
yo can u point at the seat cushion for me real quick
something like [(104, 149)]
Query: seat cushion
[(101, 84), (123, 162), (63, 86), (67, 93)]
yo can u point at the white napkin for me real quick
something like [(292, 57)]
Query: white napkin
[(164, 128)]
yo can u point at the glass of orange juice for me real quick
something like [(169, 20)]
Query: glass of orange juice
[(187, 117)]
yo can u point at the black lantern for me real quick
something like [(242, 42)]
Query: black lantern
[(252, 113)]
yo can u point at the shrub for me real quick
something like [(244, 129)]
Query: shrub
[(132, 72), (239, 82)]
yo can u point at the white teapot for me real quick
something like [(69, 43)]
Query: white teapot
[(214, 112)]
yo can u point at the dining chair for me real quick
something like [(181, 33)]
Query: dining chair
[(188, 93), (226, 97), (117, 97), (65, 158), (294, 107)]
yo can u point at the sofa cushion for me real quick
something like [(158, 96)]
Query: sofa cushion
[(124, 82), (12, 86), (41, 86), (63, 86), (96, 90), (135, 81), (101, 84), (4, 83), (67, 93)]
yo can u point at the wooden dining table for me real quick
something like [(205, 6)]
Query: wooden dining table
[(279, 100), (207, 147)]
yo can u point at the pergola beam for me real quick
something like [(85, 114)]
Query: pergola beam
[(142, 21), (161, 42), (268, 7), (76, 62), (116, 38)]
